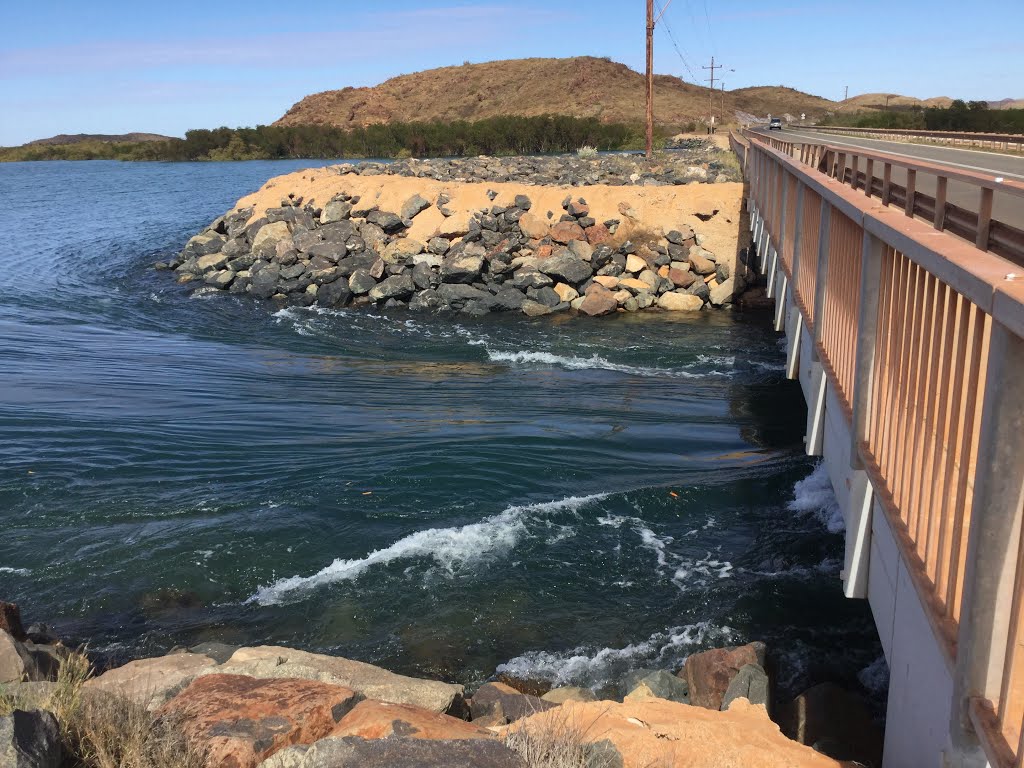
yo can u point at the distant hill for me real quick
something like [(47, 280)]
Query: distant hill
[(105, 138), (580, 87), (882, 100), (1007, 104)]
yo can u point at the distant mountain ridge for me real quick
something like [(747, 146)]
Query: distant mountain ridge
[(581, 87), (105, 138)]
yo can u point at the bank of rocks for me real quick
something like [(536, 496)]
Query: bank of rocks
[(275, 707), (507, 257), (695, 161)]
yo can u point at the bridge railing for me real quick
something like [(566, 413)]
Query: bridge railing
[(1007, 142), (921, 336), (872, 173)]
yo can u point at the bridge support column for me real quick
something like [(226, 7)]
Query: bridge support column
[(782, 299), (994, 544), (772, 271), (795, 332)]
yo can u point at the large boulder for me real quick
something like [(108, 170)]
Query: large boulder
[(387, 221), (565, 231), (569, 693), (461, 268), (204, 244), (334, 294), (709, 673), (566, 267), (658, 684), (240, 721), (399, 251), (699, 261), (152, 682), (335, 210), (498, 703), (394, 287), (533, 226), (268, 236), (598, 301), (263, 284), (413, 206), (380, 720), (361, 281), (750, 683), (680, 302), (30, 740), (372, 682), (723, 293), (15, 662), (453, 226), (656, 732), (352, 752)]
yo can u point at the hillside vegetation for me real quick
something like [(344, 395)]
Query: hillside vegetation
[(97, 138), (583, 87)]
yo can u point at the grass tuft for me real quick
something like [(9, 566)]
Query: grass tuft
[(559, 741)]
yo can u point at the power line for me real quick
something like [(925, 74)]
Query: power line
[(707, 19), (682, 57)]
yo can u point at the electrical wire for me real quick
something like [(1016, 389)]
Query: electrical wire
[(675, 45)]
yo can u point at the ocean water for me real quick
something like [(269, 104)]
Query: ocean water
[(561, 498)]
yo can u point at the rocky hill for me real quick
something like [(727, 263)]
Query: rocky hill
[(105, 138), (581, 87), (882, 100)]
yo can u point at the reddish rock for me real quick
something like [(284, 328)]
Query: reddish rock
[(578, 208), (10, 621), (380, 720), (543, 251), (599, 301), (681, 278), (500, 703), (241, 720), (598, 234), (709, 673), (533, 226), (566, 231)]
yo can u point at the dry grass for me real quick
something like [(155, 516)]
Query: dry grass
[(102, 730), (559, 742)]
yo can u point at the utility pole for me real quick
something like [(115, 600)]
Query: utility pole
[(711, 92), (723, 101), (650, 78), (846, 92)]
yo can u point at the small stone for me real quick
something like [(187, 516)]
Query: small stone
[(566, 292), (534, 309), (414, 206), (635, 264), (680, 302)]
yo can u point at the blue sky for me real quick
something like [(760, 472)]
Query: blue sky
[(113, 67)]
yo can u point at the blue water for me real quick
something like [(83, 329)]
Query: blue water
[(565, 498)]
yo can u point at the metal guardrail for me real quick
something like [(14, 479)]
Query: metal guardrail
[(875, 180), (921, 336), (1007, 142)]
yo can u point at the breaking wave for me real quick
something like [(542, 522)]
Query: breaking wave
[(814, 496), (450, 548)]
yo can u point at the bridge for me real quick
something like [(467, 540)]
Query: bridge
[(897, 279)]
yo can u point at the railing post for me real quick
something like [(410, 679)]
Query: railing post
[(995, 534), (793, 358), (872, 252)]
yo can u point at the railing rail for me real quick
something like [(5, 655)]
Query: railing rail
[(1010, 142), (921, 336), (975, 224)]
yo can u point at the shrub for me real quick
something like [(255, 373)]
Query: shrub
[(586, 152)]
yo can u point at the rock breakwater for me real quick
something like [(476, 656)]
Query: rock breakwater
[(430, 253), (273, 707)]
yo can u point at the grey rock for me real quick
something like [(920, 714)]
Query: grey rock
[(750, 683), (499, 701), (566, 267), (221, 279), (523, 202), (439, 245), (336, 210), (30, 739), (413, 206), (657, 683), (699, 288), (427, 300), (535, 308), (394, 287), (461, 269), (332, 250), (264, 282), (545, 296), (334, 294), (509, 299), (361, 281), (458, 294), (388, 222), (531, 278)]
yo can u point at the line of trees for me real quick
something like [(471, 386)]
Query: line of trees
[(493, 136), (975, 116)]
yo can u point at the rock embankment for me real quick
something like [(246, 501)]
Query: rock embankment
[(430, 254), (275, 707), (695, 161)]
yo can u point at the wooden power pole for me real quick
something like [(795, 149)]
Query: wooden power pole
[(650, 78)]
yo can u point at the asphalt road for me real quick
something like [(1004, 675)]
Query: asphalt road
[(1006, 208)]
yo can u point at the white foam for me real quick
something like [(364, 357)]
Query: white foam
[(16, 571), (450, 548), (594, 362), (814, 496), (596, 668)]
